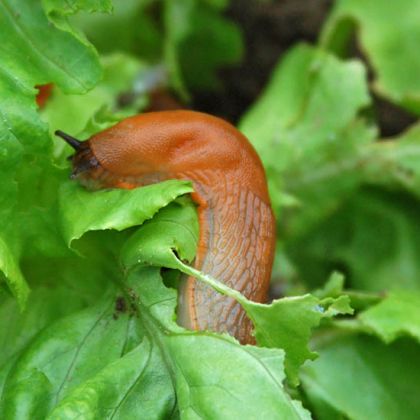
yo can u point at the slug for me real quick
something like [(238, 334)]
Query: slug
[(237, 227)]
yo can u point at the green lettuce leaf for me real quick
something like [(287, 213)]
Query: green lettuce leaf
[(320, 156), (84, 115), (360, 378), (118, 209), (65, 8), (213, 373), (394, 163), (135, 384), (33, 53), (210, 374), (388, 33), (199, 41), (61, 357), (309, 133), (144, 351), (12, 275), (139, 32), (373, 237), (397, 315), (285, 323)]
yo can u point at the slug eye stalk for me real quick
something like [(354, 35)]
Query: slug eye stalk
[(76, 144)]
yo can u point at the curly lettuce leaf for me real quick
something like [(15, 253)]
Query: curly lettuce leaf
[(308, 129), (286, 323), (84, 210), (33, 53), (397, 315), (145, 352), (389, 33), (84, 115)]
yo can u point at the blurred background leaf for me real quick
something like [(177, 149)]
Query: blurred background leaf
[(359, 378), (388, 34)]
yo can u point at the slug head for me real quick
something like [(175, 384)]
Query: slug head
[(86, 167)]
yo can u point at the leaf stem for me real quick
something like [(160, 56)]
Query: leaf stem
[(215, 284)]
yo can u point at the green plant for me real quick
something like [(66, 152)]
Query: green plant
[(87, 315)]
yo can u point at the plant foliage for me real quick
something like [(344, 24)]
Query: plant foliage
[(88, 278)]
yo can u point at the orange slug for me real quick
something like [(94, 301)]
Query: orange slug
[(237, 227)]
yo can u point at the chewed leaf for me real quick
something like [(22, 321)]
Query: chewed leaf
[(145, 359), (174, 230), (285, 323), (84, 211), (213, 380), (212, 373)]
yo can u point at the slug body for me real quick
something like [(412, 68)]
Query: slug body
[(237, 228)]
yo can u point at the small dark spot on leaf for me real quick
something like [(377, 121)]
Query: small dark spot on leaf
[(120, 307), (120, 304)]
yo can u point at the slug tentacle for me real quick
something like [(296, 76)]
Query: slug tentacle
[(73, 142)]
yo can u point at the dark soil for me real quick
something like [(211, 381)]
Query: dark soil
[(269, 29)]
